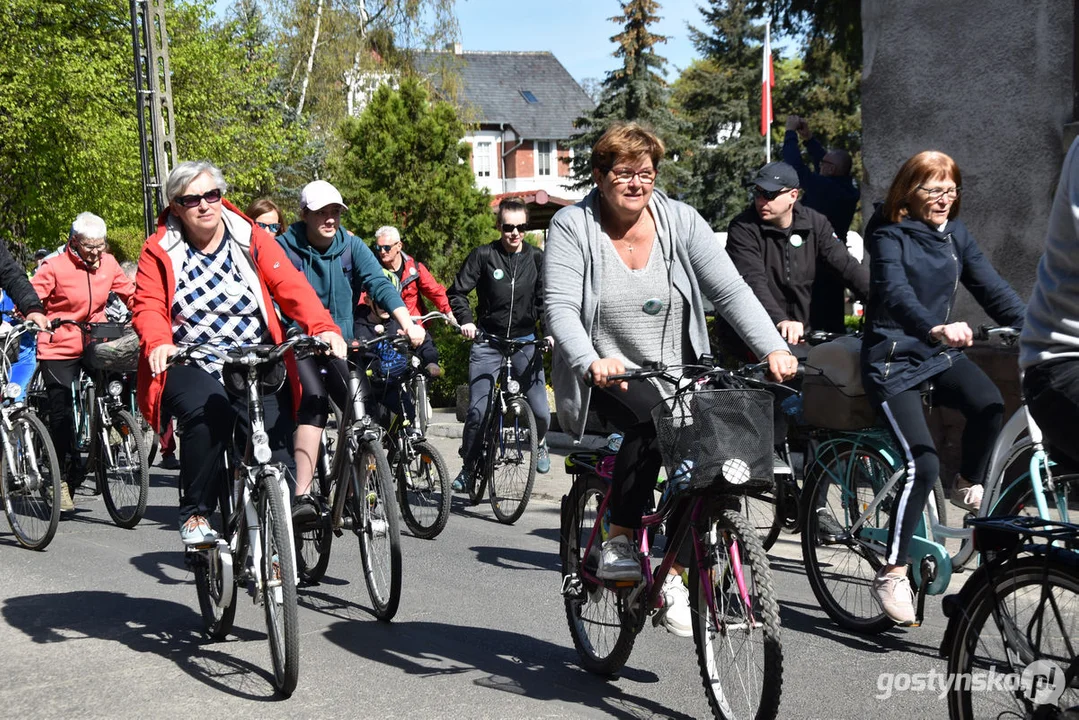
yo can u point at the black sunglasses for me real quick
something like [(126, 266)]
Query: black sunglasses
[(508, 228), (767, 194), (193, 201), (272, 227), (384, 248)]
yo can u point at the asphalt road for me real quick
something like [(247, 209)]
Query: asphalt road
[(105, 623)]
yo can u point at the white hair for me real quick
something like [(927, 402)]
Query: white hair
[(388, 231), (183, 174), (88, 226)]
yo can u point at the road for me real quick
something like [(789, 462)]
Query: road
[(105, 623)]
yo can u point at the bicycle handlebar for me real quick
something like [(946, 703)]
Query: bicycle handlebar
[(1005, 334), (435, 315), (510, 344)]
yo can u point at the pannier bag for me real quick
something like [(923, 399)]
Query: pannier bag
[(833, 396)]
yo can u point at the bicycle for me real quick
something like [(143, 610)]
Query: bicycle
[(726, 434), (107, 430), (849, 492), (503, 459), (255, 545), (356, 493), (29, 471), (1016, 616)]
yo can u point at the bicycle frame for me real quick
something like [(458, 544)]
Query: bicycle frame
[(355, 425), (499, 393)]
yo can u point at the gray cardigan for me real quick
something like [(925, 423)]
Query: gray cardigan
[(696, 264)]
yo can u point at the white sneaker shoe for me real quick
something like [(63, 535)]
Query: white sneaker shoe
[(676, 615), (967, 496), (618, 560), (896, 599), (197, 531)]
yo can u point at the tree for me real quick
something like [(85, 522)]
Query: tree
[(836, 22), (403, 163), (635, 92)]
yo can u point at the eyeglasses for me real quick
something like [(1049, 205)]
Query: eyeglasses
[(193, 201), (937, 193), (272, 227), (509, 228), (92, 248), (384, 248), (624, 176), (768, 194)]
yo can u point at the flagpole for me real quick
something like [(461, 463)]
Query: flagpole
[(768, 91)]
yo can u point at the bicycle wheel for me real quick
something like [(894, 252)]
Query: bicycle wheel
[(1038, 620), (737, 636), (477, 483), (598, 623), (841, 568), (1062, 502), (279, 587), (125, 481), (313, 541), (513, 472), (31, 484), (374, 520), (423, 483), (211, 587), (761, 511)]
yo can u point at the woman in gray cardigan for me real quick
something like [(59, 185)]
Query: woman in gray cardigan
[(624, 275)]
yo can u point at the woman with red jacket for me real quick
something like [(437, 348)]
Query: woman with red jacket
[(73, 285), (209, 274)]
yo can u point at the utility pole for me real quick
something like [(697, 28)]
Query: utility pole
[(153, 92)]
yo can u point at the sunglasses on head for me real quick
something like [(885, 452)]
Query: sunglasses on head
[(193, 201), (767, 194), (384, 248), (272, 227), (508, 228)]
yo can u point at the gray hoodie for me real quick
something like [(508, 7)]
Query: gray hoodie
[(697, 266)]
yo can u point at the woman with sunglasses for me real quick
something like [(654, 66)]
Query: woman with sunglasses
[(74, 285), (919, 254), (340, 267), (626, 271), (266, 215), (210, 275)]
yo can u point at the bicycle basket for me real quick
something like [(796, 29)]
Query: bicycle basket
[(105, 331), (117, 355), (720, 438)]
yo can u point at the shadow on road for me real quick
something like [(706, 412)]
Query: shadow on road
[(810, 619), (518, 558), (502, 660), (148, 625)]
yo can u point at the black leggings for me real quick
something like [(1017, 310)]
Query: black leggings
[(1051, 390), (59, 376), (963, 387), (319, 388)]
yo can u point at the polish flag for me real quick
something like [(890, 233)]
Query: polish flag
[(768, 81)]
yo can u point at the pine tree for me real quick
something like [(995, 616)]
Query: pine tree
[(635, 92)]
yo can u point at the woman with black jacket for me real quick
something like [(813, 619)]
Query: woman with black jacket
[(919, 254)]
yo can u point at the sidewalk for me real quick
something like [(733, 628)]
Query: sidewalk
[(445, 432)]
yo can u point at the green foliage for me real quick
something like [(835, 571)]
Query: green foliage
[(837, 22), (125, 243), (404, 164), (453, 352)]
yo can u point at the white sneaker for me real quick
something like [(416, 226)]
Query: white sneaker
[(197, 531), (967, 497), (618, 560), (896, 599), (676, 615)]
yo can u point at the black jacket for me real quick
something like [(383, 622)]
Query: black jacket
[(509, 289), (13, 281), (915, 271), (781, 274), (833, 196)]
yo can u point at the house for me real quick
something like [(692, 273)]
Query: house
[(520, 107)]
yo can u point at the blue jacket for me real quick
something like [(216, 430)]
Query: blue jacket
[(834, 197), (914, 274), (326, 271)]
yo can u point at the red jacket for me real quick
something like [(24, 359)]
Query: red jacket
[(417, 280), (69, 290), (164, 253)]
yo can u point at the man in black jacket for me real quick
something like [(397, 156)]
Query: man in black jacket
[(507, 276), (776, 244)]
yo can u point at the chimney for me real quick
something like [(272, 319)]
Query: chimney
[(455, 48)]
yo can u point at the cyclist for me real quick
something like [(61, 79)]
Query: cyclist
[(266, 215), (507, 276), (210, 275), (16, 293), (74, 285), (338, 265), (920, 252), (627, 269)]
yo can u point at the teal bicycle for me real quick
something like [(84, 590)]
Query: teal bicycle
[(850, 489)]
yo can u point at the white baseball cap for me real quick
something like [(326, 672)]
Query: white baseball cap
[(318, 194)]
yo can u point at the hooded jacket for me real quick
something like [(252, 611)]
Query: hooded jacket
[(70, 290), (915, 271), (325, 271), (260, 260)]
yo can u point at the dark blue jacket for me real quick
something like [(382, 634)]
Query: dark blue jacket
[(834, 197), (914, 274)]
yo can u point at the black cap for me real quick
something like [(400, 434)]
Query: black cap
[(41, 254), (776, 176)]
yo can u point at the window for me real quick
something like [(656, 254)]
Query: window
[(482, 159), (529, 97), (543, 157)]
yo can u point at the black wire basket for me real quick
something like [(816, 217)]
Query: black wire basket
[(718, 439)]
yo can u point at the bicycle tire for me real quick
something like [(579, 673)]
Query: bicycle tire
[(477, 482), (125, 487), (374, 511), (209, 586), (424, 487), (761, 624), (31, 501), (279, 587), (313, 543), (513, 475), (979, 639), (761, 511), (601, 630)]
